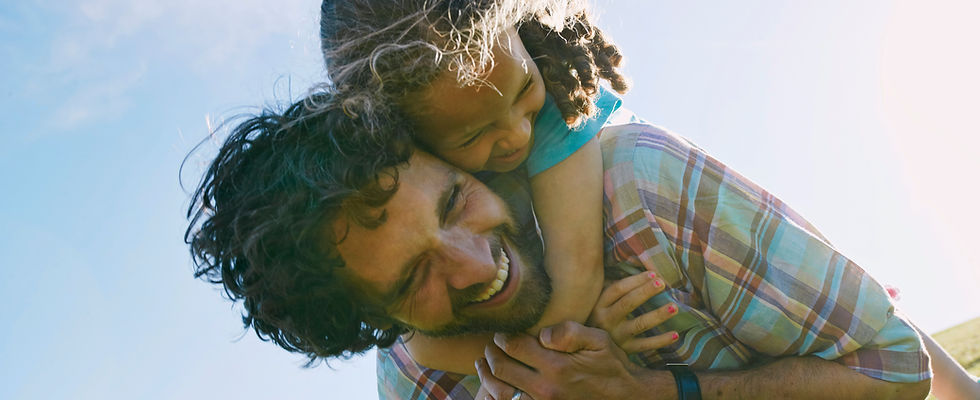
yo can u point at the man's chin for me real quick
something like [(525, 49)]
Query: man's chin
[(525, 311), (509, 325)]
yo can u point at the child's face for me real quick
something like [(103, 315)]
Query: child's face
[(476, 127)]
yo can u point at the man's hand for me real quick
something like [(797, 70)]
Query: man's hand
[(566, 361), (571, 361)]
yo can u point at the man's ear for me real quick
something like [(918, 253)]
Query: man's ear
[(382, 324), (377, 319), (370, 313)]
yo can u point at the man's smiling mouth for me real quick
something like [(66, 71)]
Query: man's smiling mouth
[(503, 271)]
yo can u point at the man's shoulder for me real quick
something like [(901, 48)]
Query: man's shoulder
[(622, 142), (643, 151)]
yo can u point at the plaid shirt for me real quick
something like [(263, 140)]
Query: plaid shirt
[(753, 280)]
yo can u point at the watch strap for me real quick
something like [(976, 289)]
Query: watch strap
[(688, 387)]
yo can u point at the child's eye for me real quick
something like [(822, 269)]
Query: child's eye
[(472, 140), (528, 83), (527, 86)]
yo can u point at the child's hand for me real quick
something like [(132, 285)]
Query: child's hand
[(611, 313)]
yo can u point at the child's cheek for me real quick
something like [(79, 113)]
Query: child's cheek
[(465, 159)]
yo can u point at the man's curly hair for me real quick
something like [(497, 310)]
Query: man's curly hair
[(388, 49), (258, 218)]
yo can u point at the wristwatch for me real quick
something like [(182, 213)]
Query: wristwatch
[(688, 387)]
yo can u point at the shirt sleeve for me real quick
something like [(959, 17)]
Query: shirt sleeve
[(769, 278), (401, 378), (554, 141)]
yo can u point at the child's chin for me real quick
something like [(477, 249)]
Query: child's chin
[(505, 166), (500, 168)]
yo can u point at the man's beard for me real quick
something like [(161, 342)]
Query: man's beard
[(528, 303)]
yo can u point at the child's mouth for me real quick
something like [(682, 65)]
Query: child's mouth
[(510, 157)]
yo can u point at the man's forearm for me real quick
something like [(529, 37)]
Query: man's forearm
[(790, 378)]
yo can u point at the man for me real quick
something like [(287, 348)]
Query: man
[(338, 242)]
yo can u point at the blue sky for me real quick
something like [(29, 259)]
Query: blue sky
[(857, 113)]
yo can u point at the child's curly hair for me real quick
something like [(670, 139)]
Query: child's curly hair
[(387, 49)]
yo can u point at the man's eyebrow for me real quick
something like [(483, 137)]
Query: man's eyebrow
[(394, 292)]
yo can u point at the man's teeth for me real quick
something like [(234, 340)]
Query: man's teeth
[(503, 267)]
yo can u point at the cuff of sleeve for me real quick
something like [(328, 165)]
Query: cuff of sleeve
[(896, 354)]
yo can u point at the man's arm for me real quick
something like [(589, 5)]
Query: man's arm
[(803, 378), (593, 367), (753, 269)]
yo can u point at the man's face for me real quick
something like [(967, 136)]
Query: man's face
[(444, 262)]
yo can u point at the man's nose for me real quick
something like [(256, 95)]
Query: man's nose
[(465, 259)]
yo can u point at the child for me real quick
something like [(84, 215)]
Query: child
[(473, 78)]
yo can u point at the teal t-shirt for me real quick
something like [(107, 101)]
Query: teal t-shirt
[(554, 141)]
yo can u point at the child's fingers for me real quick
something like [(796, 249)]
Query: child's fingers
[(633, 327), (619, 288), (634, 298), (639, 345), (639, 290)]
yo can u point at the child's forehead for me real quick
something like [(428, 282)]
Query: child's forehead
[(450, 99), (474, 70), (471, 56), (452, 104)]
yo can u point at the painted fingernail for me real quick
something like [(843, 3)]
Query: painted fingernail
[(653, 275), (657, 283), (674, 336), (671, 309)]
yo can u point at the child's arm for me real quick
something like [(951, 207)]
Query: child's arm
[(568, 203), (611, 314), (949, 380)]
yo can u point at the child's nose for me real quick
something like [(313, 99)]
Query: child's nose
[(517, 136)]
